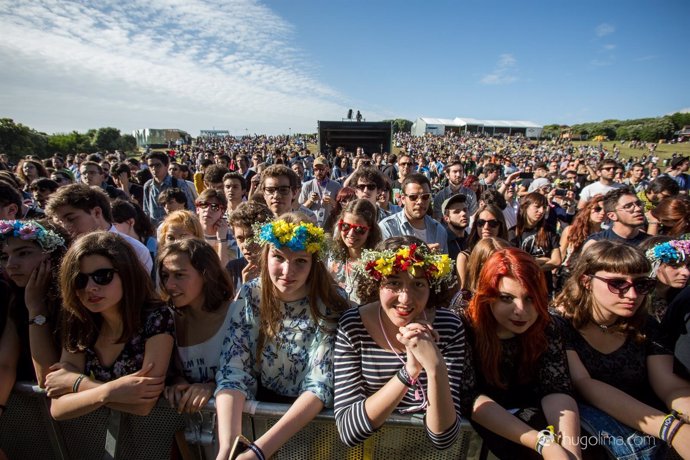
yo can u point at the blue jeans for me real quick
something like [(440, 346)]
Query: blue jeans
[(619, 440)]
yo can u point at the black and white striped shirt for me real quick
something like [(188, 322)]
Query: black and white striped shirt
[(362, 368)]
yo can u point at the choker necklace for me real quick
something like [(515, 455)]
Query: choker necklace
[(604, 328)]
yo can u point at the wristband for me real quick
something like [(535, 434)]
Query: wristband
[(405, 378), (545, 439), (77, 382), (673, 431), (257, 451), (666, 425)]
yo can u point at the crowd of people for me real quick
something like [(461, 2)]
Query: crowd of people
[(537, 289)]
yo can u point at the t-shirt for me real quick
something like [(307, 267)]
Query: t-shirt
[(609, 234), (624, 368)]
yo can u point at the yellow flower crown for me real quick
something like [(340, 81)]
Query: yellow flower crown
[(436, 268), (304, 236)]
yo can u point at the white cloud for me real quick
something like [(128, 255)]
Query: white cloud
[(504, 73), (609, 47), (604, 29), (190, 64)]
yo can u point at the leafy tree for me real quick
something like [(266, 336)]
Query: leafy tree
[(400, 125), (73, 142), (107, 139), (17, 140), (127, 143)]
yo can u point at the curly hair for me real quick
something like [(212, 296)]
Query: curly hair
[(582, 227), (576, 301), (186, 219), (248, 213)]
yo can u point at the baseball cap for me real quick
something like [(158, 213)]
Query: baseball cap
[(537, 184), (321, 161), (457, 198)]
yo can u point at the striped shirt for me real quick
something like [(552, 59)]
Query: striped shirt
[(362, 368)]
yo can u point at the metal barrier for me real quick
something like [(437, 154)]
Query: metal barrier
[(27, 431)]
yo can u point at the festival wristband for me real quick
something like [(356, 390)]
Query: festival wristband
[(666, 425), (405, 378)]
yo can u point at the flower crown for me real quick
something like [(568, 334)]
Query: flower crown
[(304, 236), (670, 252), (31, 230), (437, 268)]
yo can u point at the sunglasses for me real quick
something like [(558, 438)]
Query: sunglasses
[(597, 209), (492, 223), (358, 229), (618, 286), (102, 277), (283, 190), (363, 187), (608, 168), (206, 204), (417, 196)]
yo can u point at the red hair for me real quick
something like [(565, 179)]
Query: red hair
[(517, 264)]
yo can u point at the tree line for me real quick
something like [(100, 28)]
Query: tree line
[(17, 140), (641, 129)]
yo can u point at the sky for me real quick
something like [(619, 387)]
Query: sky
[(275, 67)]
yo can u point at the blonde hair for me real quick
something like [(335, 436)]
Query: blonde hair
[(184, 218)]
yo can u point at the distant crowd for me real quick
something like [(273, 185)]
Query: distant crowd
[(537, 289)]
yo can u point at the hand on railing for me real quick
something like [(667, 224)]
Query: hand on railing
[(189, 397)]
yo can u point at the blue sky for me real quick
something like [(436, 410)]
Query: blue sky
[(279, 66)]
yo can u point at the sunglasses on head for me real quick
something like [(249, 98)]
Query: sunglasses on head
[(358, 229), (493, 223), (363, 187), (417, 196), (619, 286), (206, 204), (102, 277)]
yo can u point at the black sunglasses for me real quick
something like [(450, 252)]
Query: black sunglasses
[(618, 286), (102, 277), (363, 187), (206, 204), (493, 223)]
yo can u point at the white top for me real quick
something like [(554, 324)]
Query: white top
[(141, 251), (201, 361)]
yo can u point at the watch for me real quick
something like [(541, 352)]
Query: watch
[(38, 320)]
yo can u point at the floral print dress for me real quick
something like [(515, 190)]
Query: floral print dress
[(131, 358), (298, 359)]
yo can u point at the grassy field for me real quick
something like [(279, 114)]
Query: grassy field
[(662, 150)]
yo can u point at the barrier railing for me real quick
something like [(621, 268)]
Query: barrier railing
[(28, 432)]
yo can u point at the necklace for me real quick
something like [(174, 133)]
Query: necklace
[(418, 388)]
